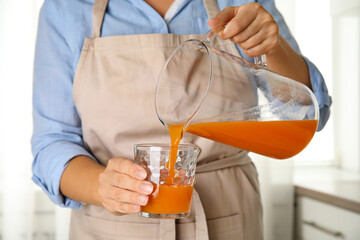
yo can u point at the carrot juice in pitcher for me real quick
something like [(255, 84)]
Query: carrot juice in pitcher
[(275, 139)]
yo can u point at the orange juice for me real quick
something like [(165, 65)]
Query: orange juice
[(169, 199), (175, 132), (276, 139)]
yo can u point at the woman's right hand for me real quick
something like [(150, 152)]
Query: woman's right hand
[(122, 187)]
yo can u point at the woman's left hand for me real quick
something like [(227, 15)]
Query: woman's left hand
[(251, 26)]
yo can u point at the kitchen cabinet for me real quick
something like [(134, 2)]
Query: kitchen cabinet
[(316, 220), (327, 204)]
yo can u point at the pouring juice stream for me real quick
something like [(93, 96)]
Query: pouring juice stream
[(172, 196)]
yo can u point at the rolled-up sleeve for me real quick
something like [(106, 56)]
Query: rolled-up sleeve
[(317, 81), (321, 93), (57, 134)]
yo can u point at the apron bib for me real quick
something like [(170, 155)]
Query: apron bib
[(114, 91)]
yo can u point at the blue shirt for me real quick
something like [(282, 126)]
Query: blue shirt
[(63, 25)]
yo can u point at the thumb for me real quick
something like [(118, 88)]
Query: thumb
[(222, 17)]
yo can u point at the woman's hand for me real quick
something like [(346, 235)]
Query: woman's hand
[(122, 188), (254, 29), (251, 26)]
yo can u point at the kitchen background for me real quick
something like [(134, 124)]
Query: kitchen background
[(315, 195)]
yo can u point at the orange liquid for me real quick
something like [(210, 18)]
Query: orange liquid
[(169, 199), (276, 139), (175, 132)]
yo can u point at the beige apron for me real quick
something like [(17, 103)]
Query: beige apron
[(113, 91)]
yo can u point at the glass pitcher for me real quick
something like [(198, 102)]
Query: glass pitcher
[(214, 94)]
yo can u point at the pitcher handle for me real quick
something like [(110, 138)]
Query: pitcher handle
[(259, 60), (211, 34)]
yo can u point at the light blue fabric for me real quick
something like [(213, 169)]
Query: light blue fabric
[(63, 25)]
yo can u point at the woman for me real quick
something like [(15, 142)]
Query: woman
[(93, 102)]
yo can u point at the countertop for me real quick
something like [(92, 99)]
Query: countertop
[(330, 185)]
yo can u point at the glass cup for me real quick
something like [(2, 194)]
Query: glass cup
[(173, 185)]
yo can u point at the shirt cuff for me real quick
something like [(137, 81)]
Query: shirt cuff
[(49, 165)]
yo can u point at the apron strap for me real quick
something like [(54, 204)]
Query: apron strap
[(238, 159), (167, 229), (211, 7), (98, 13), (99, 9), (201, 231)]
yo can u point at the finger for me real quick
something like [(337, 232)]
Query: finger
[(128, 167), (253, 28), (265, 47), (253, 41), (222, 17), (125, 181), (118, 207), (243, 18), (126, 196)]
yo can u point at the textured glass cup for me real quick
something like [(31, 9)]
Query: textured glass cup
[(168, 200)]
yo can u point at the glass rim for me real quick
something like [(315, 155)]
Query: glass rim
[(165, 146)]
